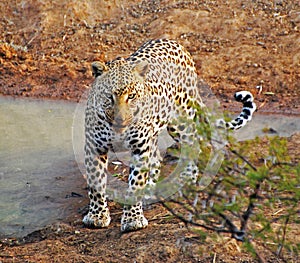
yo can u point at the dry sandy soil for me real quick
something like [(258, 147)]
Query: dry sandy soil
[(46, 48)]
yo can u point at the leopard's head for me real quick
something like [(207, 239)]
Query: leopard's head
[(120, 90)]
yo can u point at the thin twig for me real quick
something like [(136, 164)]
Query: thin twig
[(190, 222), (244, 159), (259, 256), (274, 220), (272, 252), (249, 211), (183, 205), (235, 232), (283, 163), (280, 246)]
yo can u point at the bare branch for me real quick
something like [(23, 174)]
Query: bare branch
[(249, 211), (244, 159), (190, 222), (280, 245)]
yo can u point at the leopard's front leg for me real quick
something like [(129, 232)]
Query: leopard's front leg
[(133, 217), (98, 215), (96, 149)]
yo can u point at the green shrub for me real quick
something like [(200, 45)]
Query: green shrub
[(254, 197)]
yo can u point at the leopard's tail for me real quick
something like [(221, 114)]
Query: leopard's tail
[(249, 108)]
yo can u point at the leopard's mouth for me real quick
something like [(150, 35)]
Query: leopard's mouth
[(119, 128)]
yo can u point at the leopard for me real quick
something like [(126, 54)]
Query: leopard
[(133, 99)]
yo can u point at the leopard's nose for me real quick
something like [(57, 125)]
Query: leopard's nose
[(118, 119)]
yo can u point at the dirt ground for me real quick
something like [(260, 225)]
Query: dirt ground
[(166, 239), (46, 48)]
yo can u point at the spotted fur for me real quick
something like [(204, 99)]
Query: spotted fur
[(133, 99)]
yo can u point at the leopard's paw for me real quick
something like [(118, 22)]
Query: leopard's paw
[(97, 221), (131, 224)]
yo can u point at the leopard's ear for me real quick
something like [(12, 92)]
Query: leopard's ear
[(98, 68), (142, 68)]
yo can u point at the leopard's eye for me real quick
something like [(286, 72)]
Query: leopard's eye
[(110, 97), (107, 95), (131, 96)]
